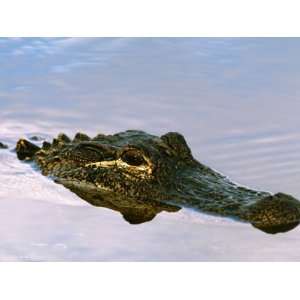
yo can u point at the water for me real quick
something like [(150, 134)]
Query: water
[(235, 100)]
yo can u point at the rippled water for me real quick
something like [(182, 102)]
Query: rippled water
[(235, 100)]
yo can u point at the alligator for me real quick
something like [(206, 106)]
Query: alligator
[(141, 175)]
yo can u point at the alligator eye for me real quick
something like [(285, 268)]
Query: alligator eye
[(133, 158)]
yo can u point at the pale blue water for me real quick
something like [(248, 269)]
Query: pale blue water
[(235, 100)]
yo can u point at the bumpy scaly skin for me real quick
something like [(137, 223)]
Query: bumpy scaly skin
[(141, 175)]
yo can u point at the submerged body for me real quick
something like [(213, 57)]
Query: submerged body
[(141, 175)]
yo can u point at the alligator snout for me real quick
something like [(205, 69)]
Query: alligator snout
[(274, 213)]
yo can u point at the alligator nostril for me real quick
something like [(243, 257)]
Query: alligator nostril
[(275, 213)]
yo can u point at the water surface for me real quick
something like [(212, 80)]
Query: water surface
[(235, 100)]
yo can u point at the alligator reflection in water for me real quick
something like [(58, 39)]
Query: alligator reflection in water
[(127, 171)]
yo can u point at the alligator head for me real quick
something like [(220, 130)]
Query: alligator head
[(141, 175)]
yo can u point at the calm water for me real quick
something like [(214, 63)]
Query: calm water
[(235, 100)]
